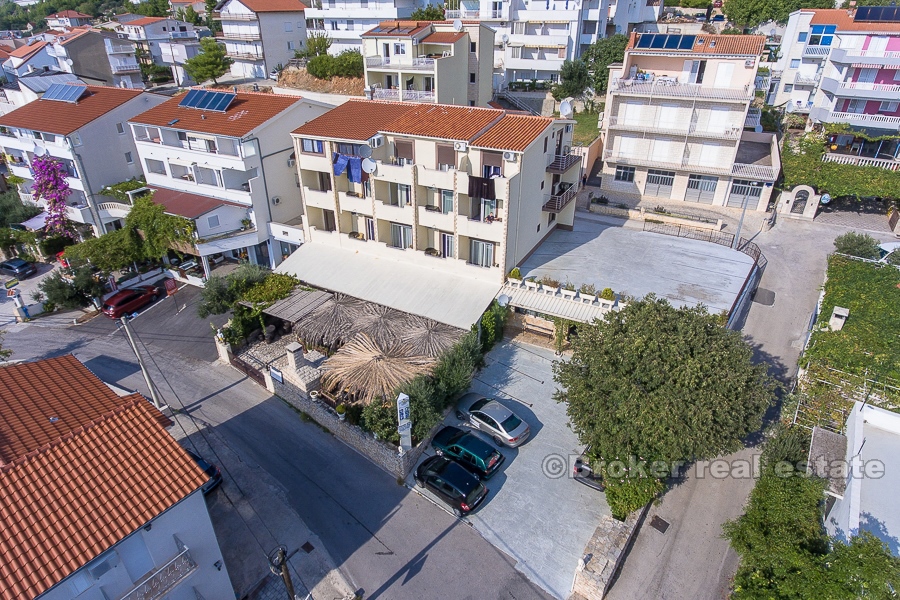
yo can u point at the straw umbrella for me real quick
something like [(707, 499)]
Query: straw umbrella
[(427, 337), (333, 322), (369, 371), (382, 324)]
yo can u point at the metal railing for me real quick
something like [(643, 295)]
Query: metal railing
[(476, 14), (800, 79), (220, 16), (132, 68), (817, 51), (864, 118), (555, 203), (763, 172), (861, 161), (866, 86), (418, 64), (403, 95), (239, 37), (731, 133), (562, 162), (158, 584), (674, 89), (245, 55)]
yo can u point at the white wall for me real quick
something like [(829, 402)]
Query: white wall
[(275, 39)]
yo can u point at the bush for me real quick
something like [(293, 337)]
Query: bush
[(348, 63), (861, 245), (76, 292), (628, 494), (320, 66), (380, 418), (515, 273), (220, 293), (608, 294)]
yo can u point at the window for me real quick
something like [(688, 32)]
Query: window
[(290, 45), (399, 194), (370, 228), (822, 35), (624, 173), (364, 3), (473, 47), (288, 26), (213, 221), (312, 146), (156, 166), (788, 88), (897, 75), (403, 152), (471, 77), (399, 48), (491, 165), (446, 245), (561, 53), (589, 27), (515, 51), (346, 149), (120, 128), (471, 103), (334, 24), (795, 63), (802, 37), (481, 253), (401, 236), (328, 217), (128, 158), (446, 157), (888, 106), (446, 201)]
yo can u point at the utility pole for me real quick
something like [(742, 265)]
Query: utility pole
[(153, 393), (278, 565)]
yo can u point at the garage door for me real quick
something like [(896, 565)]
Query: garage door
[(659, 183), (701, 188), (744, 193)]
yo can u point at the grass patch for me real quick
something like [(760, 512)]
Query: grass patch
[(586, 130)]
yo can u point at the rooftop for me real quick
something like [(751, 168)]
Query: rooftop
[(39, 81), (63, 118), (655, 43), (25, 52), (187, 205), (444, 37), (398, 29), (513, 132), (754, 153), (843, 20), (246, 112), (147, 21), (274, 5), (69, 14), (356, 120), (444, 121)]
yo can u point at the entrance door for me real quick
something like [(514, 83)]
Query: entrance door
[(659, 183), (447, 245), (800, 201)]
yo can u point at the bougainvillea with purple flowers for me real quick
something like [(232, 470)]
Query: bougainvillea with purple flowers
[(50, 184)]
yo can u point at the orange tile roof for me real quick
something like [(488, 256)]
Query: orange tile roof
[(146, 21), (274, 5), (444, 37), (62, 118), (187, 205), (27, 51), (742, 45), (513, 132), (398, 29), (355, 120), (247, 112), (72, 35), (70, 14), (444, 121), (843, 20), (65, 504)]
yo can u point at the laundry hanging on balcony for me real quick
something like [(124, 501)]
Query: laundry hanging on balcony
[(480, 187), (340, 163), (354, 169)]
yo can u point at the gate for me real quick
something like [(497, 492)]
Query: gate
[(249, 370), (800, 201)]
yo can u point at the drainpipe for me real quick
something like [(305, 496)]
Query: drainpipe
[(262, 174), (88, 193)]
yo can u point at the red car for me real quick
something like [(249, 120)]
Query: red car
[(717, 4), (129, 300)]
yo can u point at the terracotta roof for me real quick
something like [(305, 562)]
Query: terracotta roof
[(274, 5), (843, 20), (63, 118), (4, 54), (72, 35), (398, 29), (65, 504), (70, 14), (26, 51), (742, 45), (355, 120), (146, 21), (513, 132), (444, 121), (444, 37), (247, 112), (187, 205)]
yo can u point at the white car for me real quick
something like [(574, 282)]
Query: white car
[(886, 249), (273, 75)]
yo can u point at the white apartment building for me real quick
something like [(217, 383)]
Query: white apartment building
[(148, 33), (233, 156), (30, 87), (99, 57), (68, 19), (676, 109), (261, 35), (26, 59), (346, 20), (427, 61), (450, 192), (86, 129)]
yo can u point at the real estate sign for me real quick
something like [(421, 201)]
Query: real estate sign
[(404, 426)]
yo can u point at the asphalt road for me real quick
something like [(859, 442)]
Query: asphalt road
[(388, 541)]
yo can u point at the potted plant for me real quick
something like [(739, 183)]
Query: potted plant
[(341, 411), (314, 395), (432, 252), (246, 224)]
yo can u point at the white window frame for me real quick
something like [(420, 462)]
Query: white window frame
[(288, 27), (892, 106)]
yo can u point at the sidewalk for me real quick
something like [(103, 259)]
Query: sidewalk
[(252, 517)]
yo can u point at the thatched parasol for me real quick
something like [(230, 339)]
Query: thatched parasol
[(427, 337), (383, 324), (369, 371), (334, 322)]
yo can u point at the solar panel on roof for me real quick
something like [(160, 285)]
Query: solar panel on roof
[(190, 99), (889, 14), (207, 100), (672, 42), (659, 41), (645, 40), (63, 92), (687, 42)]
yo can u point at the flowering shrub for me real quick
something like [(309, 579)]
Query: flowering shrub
[(51, 185)]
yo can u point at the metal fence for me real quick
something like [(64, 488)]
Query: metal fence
[(693, 233)]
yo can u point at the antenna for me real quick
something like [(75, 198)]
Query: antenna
[(457, 25), (565, 109)]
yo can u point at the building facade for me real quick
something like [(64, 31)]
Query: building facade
[(466, 191), (99, 57), (149, 33), (674, 124), (346, 21), (90, 136), (239, 160), (27, 59), (68, 19), (427, 61), (261, 35)]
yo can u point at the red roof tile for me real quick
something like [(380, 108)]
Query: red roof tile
[(27, 51), (146, 21), (742, 45), (356, 120), (274, 5), (247, 112), (187, 205), (444, 121), (843, 20), (444, 37), (63, 118), (69, 14), (513, 132)]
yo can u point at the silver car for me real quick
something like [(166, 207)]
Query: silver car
[(493, 418)]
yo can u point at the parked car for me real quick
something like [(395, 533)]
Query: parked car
[(718, 19), (273, 74), (717, 4), (215, 475), (494, 419), (473, 453), (455, 486), (700, 18), (129, 300), (583, 473), (18, 268), (886, 249)]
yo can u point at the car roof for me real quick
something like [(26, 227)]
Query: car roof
[(446, 434), (476, 445), (15, 261), (496, 410), (457, 476)]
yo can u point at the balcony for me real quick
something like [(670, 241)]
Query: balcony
[(229, 16), (482, 15), (394, 173), (856, 119), (692, 129), (119, 48), (561, 163), (114, 210), (439, 179), (126, 68), (354, 203), (801, 79), (318, 198), (79, 213), (158, 584), (431, 216), (876, 58), (762, 172), (254, 56), (404, 95), (671, 88), (861, 89), (555, 203), (238, 37), (540, 40), (861, 161), (490, 230), (394, 213), (816, 52), (396, 64)]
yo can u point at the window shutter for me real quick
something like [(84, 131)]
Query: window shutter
[(446, 155), (403, 149), (492, 159)]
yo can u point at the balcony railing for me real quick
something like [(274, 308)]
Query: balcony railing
[(158, 584), (754, 118), (555, 203), (674, 89), (859, 118), (762, 172), (476, 14), (132, 68), (403, 95), (417, 64), (861, 161), (238, 37), (873, 87), (693, 129), (801, 79), (841, 55), (561, 163), (226, 16), (245, 55), (816, 51)]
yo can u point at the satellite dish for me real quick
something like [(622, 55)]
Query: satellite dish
[(364, 150), (504, 38), (503, 300), (758, 129), (70, 62), (825, 199), (457, 25), (565, 109), (368, 165)]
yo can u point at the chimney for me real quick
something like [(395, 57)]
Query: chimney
[(295, 355)]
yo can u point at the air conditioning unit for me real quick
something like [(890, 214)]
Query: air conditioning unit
[(510, 156), (461, 146), (292, 162), (748, 64), (376, 141), (415, 42), (276, 200), (569, 128)]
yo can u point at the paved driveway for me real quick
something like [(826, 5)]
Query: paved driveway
[(541, 520)]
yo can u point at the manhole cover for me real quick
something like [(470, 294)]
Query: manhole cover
[(307, 547), (659, 524), (764, 297)]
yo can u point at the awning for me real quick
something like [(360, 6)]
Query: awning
[(232, 242), (36, 223), (418, 290), (557, 305)]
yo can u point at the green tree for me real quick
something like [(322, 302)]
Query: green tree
[(192, 16), (4, 352), (75, 291), (317, 44), (861, 245), (431, 12), (110, 252), (210, 63), (220, 293), (752, 13), (13, 211), (158, 230), (153, 8), (210, 9), (600, 55), (574, 80)]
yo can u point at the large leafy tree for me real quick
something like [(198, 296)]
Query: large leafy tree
[(752, 13), (432, 12), (600, 55), (210, 63), (158, 230), (574, 80)]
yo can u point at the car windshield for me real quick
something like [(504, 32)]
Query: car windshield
[(511, 423), (474, 494)]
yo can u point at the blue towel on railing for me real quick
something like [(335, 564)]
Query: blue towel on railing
[(340, 163), (354, 170)]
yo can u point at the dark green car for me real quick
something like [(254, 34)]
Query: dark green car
[(470, 451)]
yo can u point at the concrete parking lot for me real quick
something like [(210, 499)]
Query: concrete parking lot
[(535, 511)]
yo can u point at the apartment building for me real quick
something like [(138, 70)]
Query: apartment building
[(447, 190), (99, 501), (30, 87), (423, 61), (345, 21), (99, 57), (148, 33), (261, 35), (33, 56), (230, 153), (85, 128), (676, 109), (68, 19)]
